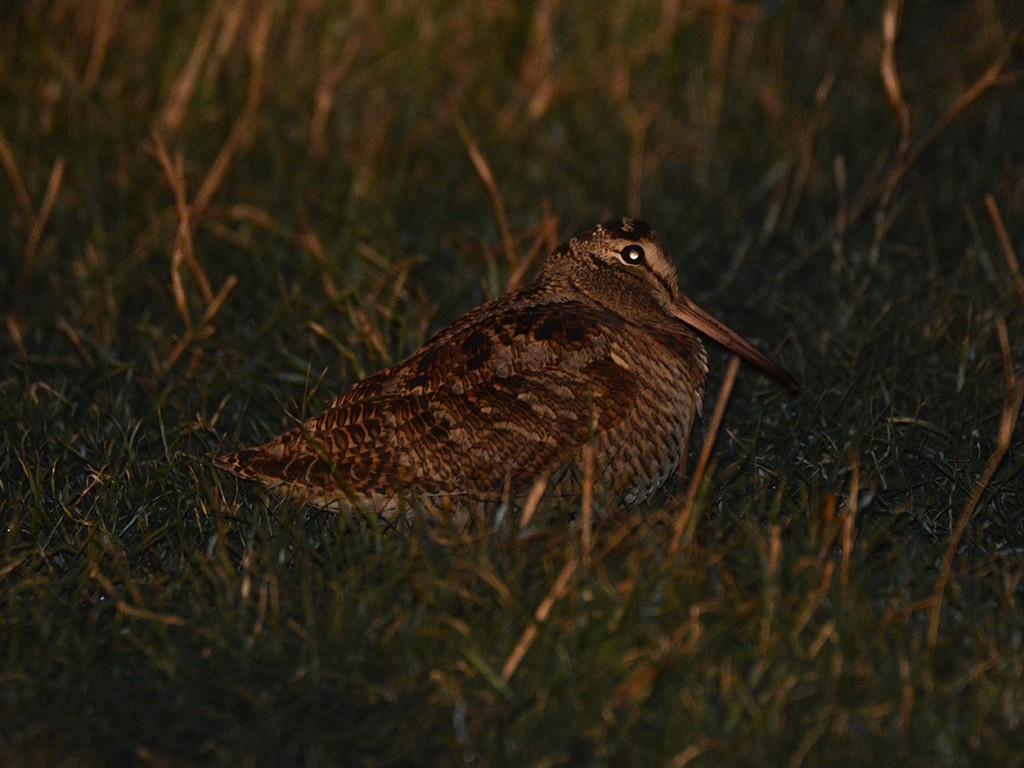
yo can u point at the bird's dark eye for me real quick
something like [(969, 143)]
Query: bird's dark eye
[(632, 254)]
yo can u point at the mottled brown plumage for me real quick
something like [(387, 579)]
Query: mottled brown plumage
[(598, 349)]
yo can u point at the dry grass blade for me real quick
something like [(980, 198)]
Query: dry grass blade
[(182, 251), (1004, 349), (483, 170), (208, 315), (218, 301), (14, 331), (314, 246), (243, 127), (332, 75), (688, 755), (189, 214), (792, 195), (536, 73), (17, 181), (144, 613), (639, 125), (1009, 254), (988, 80), (39, 221), (721, 38), (533, 499), (849, 516), (1007, 424), (889, 72), (174, 108), (587, 502), (874, 191), (11, 565), (543, 243), (683, 519), (102, 34), (541, 615)]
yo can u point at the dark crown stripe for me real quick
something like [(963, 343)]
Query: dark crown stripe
[(629, 229)]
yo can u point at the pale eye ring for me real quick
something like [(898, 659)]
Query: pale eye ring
[(632, 254)]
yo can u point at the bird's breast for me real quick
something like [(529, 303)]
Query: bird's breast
[(645, 448)]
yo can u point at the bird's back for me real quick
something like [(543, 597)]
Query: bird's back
[(509, 392)]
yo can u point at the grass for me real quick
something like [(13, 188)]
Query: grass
[(215, 220)]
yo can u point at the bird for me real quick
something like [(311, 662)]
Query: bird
[(602, 349)]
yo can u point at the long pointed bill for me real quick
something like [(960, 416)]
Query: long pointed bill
[(706, 323)]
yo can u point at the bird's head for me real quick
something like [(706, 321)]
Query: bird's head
[(625, 267)]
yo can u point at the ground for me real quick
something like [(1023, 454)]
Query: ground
[(216, 218)]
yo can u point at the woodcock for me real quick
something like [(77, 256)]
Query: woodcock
[(599, 349)]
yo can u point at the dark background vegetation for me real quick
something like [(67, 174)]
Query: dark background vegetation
[(215, 217)]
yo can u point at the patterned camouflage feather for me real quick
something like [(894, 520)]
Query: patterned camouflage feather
[(589, 352)]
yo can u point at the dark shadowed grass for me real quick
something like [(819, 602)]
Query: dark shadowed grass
[(157, 612)]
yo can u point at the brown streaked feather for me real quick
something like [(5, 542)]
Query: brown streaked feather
[(598, 351), (515, 389)]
